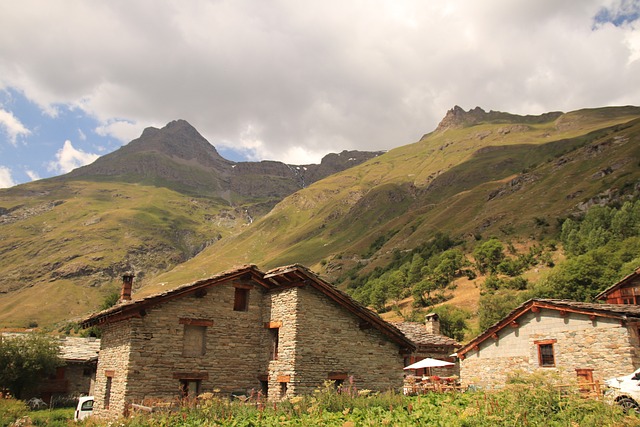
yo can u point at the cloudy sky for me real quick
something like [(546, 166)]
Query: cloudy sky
[(292, 80)]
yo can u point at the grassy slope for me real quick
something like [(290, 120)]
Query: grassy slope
[(337, 219), (66, 259)]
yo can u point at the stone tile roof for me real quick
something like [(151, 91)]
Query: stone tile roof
[(72, 349), (277, 278), (125, 309), (616, 311), (77, 349), (417, 333), (625, 310)]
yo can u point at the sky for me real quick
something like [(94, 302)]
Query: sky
[(293, 80)]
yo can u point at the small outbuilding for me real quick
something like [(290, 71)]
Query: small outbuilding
[(430, 343), (76, 377)]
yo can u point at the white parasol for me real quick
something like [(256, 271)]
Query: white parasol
[(429, 363)]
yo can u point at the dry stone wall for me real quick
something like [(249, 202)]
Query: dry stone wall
[(284, 312)]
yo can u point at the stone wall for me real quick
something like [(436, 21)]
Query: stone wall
[(283, 311), (234, 355), (330, 341), (113, 362), (80, 377), (602, 344), (317, 339)]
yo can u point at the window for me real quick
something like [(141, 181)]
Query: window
[(189, 388), (283, 390), (274, 333), (241, 299), (107, 392), (546, 356), (194, 342), (338, 379)]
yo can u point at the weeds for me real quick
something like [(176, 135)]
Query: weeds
[(528, 400)]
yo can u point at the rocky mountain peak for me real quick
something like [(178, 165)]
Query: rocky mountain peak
[(177, 139), (458, 118)]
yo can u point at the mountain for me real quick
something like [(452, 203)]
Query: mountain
[(176, 214), (478, 174), (179, 158), (153, 204)]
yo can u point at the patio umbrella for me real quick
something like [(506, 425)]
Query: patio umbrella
[(429, 363)]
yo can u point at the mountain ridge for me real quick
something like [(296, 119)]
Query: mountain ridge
[(65, 242), (178, 157)]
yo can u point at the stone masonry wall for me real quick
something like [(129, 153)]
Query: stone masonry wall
[(283, 307), (234, 353), (144, 356), (113, 360), (81, 378), (329, 340), (604, 345)]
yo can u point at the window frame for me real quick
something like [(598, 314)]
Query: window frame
[(192, 331), (543, 359), (184, 387), (107, 391), (241, 298), (274, 334)]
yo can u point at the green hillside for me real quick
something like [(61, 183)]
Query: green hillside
[(484, 179), (65, 242), (64, 246)]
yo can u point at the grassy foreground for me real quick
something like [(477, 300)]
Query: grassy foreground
[(521, 404)]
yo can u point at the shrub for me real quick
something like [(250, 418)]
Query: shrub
[(10, 410)]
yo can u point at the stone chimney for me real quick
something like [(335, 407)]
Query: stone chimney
[(127, 284), (432, 323)]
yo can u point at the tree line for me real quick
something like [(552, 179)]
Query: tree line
[(599, 246)]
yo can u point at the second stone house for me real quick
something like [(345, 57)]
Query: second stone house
[(580, 341), (283, 332)]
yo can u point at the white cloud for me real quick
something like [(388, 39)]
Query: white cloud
[(123, 131), (34, 176), (6, 180), (69, 158), (316, 76), (12, 126)]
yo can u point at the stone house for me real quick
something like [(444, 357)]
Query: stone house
[(430, 343), (584, 341), (76, 376), (626, 291), (284, 333)]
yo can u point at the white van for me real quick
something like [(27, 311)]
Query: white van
[(84, 408)]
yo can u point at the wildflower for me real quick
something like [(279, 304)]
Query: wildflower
[(296, 399)]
